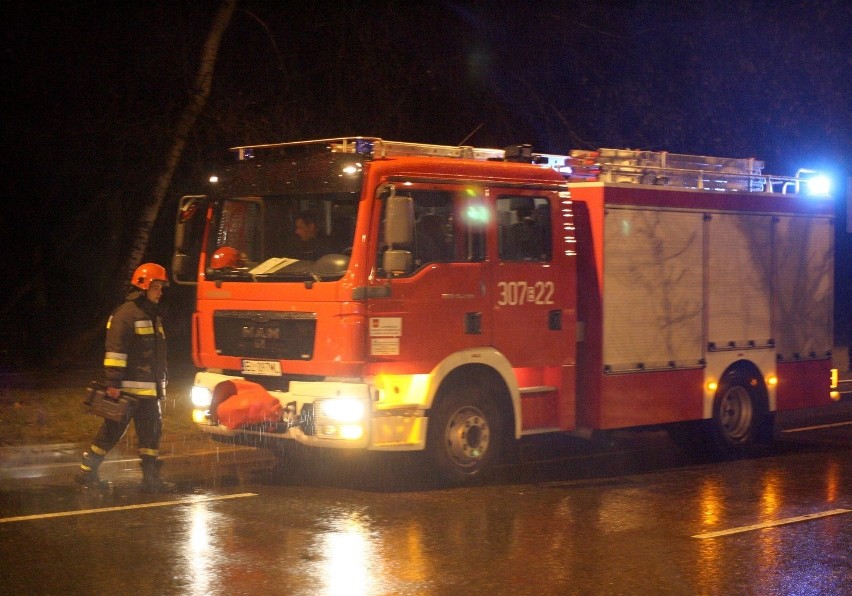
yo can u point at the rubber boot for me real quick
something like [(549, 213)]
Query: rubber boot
[(87, 476), (151, 481)]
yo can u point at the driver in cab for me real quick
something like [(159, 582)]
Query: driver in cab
[(310, 244)]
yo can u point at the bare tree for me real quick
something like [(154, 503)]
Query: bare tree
[(197, 101)]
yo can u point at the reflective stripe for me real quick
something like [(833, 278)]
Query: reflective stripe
[(109, 322), (85, 468), (144, 327), (115, 359), (138, 385), (139, 388), (97, 450), (149, 452), (142, 392)]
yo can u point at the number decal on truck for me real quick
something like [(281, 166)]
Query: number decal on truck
[(517, 293)]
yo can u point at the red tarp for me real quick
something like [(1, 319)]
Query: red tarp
[(249, 404)]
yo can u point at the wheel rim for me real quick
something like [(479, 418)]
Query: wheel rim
[(467, 437), (735, 414)]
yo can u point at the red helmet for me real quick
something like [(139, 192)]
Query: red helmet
[(146, 273), (225, 256)]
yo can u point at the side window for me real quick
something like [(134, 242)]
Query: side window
[(523, 228), (472, 216), (434, 240), (444, 231)]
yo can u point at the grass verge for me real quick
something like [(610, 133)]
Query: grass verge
[(43, 407)]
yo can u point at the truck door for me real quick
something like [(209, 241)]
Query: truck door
[(532, 294), (437, 303)]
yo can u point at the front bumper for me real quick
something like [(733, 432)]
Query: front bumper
[(325, 414)]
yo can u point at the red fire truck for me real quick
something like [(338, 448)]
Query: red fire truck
[(456, 299)]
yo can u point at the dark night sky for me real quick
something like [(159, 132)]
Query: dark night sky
[(94, 88)]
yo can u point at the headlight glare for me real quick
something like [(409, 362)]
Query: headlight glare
[(343, 410), (200, 396)]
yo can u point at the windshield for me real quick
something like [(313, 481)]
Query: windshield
[(282, 237)]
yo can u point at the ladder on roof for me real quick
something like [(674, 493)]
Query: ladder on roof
[(627, 166), (661, 168), (379, 148)]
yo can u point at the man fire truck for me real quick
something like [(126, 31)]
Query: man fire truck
[(470, 297)]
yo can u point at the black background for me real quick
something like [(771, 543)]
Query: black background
[(93, 90)]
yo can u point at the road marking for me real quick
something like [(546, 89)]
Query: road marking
[(124, 508), (798, 430), (780, 522)]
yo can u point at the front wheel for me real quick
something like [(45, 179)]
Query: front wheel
[(465, 433)]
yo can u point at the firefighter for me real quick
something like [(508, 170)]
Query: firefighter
[(311, 244), (134, 364)]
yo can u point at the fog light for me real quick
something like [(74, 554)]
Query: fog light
[(199, 416), (351, 431)]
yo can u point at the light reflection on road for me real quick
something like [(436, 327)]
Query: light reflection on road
[(565, 530), (832, 482), (198, 549), (710, 565), (346, 553), (770, 495)]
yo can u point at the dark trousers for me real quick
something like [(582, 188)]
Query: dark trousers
[(148, 421)]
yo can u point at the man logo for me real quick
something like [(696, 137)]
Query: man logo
[(249, 332)]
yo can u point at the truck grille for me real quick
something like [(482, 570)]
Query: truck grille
[(265, 334)]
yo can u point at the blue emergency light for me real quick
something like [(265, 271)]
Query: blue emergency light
[(816, 184), (819, 185)]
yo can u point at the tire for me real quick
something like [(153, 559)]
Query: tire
[(739, 414), (466, 433)]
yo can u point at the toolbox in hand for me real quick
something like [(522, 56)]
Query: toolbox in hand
[(97, 402)]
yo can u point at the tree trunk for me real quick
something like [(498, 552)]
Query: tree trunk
[(84, 342), (201, 91)]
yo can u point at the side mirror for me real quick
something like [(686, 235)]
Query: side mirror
[(397, 262), (183, 268), (399, 234), (189, 233), (399, 220)]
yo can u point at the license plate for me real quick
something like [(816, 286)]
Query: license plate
[(265, 368)]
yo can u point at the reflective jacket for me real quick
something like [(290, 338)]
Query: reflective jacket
[(135, 357)]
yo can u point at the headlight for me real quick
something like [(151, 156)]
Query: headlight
[(341, 410), (344, 418), (201, 396)]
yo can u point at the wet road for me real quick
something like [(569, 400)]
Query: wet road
[(564, 517)]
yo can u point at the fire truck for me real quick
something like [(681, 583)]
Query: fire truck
[(459, 299)]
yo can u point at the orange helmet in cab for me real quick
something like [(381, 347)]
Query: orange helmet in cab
[(146, 273), (225, 256)]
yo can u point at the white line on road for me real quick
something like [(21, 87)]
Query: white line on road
[(780, 522), (124, 508), (820, 426)]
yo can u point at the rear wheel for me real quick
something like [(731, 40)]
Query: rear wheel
[(739, 413), (465, 433), (740, 420)]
